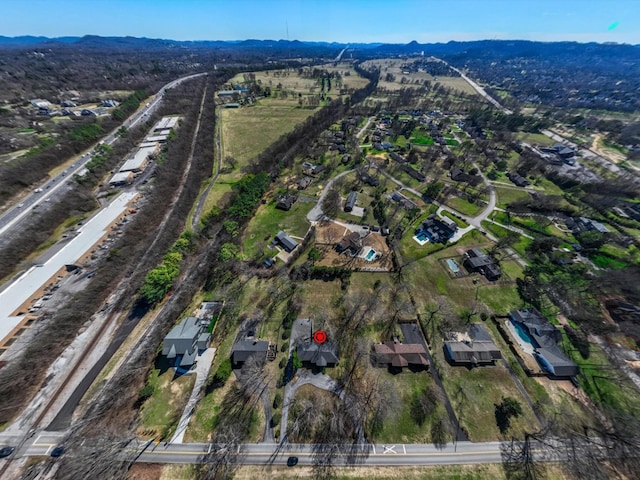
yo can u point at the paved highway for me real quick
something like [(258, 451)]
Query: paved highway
[(45, 191), (264, 453)]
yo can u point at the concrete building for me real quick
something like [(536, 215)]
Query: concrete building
[(139, 161), (122, 178), (185, 340)]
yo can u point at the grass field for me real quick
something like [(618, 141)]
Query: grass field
[(268, 220), (535, 139), (509, 195), (247, 131), (400, 427), (464, 207), (474, 394)]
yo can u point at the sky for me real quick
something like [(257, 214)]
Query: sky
[(345, 21)]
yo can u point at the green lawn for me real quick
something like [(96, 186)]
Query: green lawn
[(520, 246), (268, 220), (464, 207), (459, 222), (509, 195), (400, 427), (160, 413), (599, 381), (474, 394), (535, 139)]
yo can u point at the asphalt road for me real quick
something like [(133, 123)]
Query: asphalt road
[(265, 453), (11, 217)]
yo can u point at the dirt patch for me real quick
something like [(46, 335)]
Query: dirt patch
[(329, 234), (145, 471)]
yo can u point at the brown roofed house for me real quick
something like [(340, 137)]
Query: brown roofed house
[(399, 355)]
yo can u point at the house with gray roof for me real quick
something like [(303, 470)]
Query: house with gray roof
[(244, 349), (285, 241), (544, 338), (318, 355), (185, 340), (479, 350)]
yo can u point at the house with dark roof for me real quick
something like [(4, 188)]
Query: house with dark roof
[(244, 349), (285, 241), (518, 180), (458, 175), (368, 179), (473, 353), (286, 201), (397, 158), (350, 244), (421, 177), (402, 200), (318, 355), (544, 338), (351, 202), (304, 182), (438, 230), (583, 224), (399, 355), (475, 260), (479, 349), (185, 340)]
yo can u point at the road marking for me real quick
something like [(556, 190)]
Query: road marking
[(373, 448), (404, 448), (389, 449)]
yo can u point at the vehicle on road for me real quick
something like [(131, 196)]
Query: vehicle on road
[(57, 451), (292, 461), (6, 451), (20, 205), (38, 190)]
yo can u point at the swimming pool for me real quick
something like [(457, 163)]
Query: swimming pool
[(524, 335), (370, 255), (453, 265), (422, 237)]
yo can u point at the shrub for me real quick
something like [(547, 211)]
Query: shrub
[(223, 373)]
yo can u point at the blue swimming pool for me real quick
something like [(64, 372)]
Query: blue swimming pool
[(453, 265), (524, 335), (422, 237), (370, 255)]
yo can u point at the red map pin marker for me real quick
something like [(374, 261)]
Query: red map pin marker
[(320, 336)]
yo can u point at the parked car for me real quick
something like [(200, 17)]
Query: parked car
[(292, 461), (6, 451), (57, 451)]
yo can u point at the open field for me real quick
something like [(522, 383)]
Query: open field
[(508, 195), (535, 139), (400, 426), (248, 131), (463, 206), (392, 66), (474, 394)]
